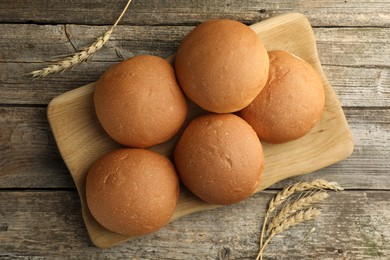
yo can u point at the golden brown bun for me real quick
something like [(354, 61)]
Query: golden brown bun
[(290, 104), (139, 103), (222, 65), (132, 191), (219, 158)]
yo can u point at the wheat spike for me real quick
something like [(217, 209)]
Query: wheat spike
[(281, 196), (81, 56), (77, 58), (294, 207), (299, 187), (299, 217)]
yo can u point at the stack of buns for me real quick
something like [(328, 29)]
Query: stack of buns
[(223, 67)]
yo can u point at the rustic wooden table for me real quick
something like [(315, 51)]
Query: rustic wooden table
[(40, 214)]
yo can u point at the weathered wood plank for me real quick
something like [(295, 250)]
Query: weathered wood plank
[(42, 42), (337, 46), (353, 59), (320, 13), (18, 88), (28, 153), (353, 225), (363, 87), (360, 87), (353, 46), (29, 157)]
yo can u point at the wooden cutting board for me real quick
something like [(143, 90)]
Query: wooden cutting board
[(81, 140)]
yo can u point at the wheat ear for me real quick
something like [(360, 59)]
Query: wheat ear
[(297, 218), (294, 207), (290, 190), (298, 187), (80, 56)]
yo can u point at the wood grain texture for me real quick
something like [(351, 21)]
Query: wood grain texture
[(81, 139), (352, 59), (337, 46), (29, 157), (352, 39), (355, 86), (353, 225), (320, 13)]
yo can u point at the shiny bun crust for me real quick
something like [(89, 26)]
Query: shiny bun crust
[(132, 191), (219, 158), (139, 103), (222, 65), (290, 104)]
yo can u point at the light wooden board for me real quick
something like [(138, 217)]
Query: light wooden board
[(81, 140)]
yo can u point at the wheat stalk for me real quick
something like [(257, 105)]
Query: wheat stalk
[(299, 187), (80, 56), (294, 207), (290, 190), (299, 217)]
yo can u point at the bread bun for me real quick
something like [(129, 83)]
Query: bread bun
[(219, 158), (290, 104), (132, 191), (139, 103), (222, 65)]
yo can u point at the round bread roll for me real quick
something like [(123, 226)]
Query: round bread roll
[(139, 103), (222, 65), (132, 191), (290, 104), (219, 158)]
